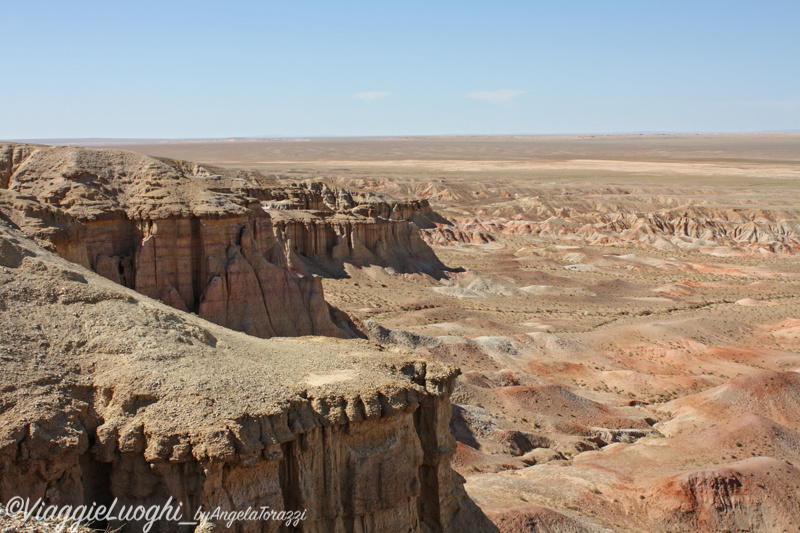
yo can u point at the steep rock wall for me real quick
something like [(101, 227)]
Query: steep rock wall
[(330, 242), (108, 394), (232, 246), (360, 464)]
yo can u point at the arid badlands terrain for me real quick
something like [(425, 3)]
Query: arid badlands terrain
[(624, 312)]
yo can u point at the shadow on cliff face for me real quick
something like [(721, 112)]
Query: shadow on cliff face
[(328, 247), (108, 396), (460, 428), (234, 247), (353, 327)]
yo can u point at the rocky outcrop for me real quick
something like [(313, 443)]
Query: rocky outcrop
[(106, 394), (11, 157), (446, 235), (322, 244), (749, 495), (727, 221), (232, 246), (47, 225), (710, 230)]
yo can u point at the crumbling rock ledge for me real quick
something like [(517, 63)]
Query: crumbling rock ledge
[(232, 246), (106, 394)]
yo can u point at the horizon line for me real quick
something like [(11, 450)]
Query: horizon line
[(278, 137)]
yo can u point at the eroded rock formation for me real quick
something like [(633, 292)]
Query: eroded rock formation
[(232, 246), (727, 221), (106, 394), (709, 230)]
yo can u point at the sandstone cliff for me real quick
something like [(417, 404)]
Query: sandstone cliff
[(232, 246), (740, 221), (106, 394)]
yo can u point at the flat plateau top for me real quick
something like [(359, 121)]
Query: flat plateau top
[(714, 159)]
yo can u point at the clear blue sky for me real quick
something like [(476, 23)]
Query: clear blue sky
[(175, 69)]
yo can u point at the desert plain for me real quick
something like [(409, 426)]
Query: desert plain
[(624, 311)]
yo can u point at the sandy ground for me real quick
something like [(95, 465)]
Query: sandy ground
[(606, 382)]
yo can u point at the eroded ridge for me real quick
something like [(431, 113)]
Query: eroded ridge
[(106, 394), (231, 246)]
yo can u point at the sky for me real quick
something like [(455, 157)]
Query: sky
[(203, 69)]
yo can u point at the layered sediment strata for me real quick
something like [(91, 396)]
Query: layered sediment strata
[(741, 221), (232, 246), (108, 394), (709, 230)]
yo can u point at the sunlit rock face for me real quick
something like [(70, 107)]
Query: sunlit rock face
[(232, 246), (106, 394)]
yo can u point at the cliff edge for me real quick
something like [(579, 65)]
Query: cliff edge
[(234, 247), (106, 393)]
